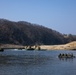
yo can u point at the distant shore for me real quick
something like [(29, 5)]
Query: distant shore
[(68, 46), (11, 46)]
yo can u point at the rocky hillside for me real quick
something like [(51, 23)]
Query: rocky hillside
[(26, 33)]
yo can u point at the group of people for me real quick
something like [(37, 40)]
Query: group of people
[(65, 55)]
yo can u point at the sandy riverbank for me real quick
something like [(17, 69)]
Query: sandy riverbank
[(68, 46), (11, 46)]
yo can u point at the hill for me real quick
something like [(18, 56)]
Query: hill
[(25, 33)]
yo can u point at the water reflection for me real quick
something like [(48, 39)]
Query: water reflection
[(66, 59)]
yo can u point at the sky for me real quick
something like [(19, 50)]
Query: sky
[(59, 15)]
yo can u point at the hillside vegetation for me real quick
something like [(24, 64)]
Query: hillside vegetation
[(25, 33)]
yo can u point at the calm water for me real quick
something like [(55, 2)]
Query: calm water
[(36, 63)]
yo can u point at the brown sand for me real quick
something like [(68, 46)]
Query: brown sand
[(69, 46)]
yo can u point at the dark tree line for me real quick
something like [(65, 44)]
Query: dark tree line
[(26, 33)]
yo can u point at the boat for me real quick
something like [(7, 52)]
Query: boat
[(30, 49), (1, 50), (66, 56)]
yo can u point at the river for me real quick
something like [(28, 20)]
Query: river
[(22, 62)]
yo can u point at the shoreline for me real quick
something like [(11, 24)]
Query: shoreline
[(68, 46)]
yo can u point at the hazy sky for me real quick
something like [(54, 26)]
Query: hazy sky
[(59, 15)]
